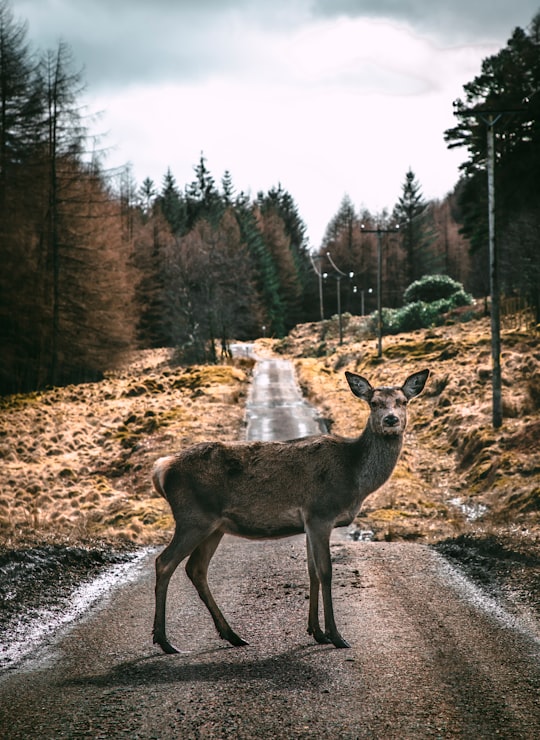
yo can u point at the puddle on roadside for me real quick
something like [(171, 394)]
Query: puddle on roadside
[(471, 510)]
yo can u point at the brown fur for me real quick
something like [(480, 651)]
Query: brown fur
[(264, 490)]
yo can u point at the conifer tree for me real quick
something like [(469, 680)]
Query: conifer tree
[(412, 215)]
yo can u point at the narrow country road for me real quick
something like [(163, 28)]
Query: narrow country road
[(431, 657)]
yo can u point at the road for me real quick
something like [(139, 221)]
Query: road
[(431, 656), (275, 407)]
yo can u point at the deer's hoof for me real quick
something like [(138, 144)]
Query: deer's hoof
[(319, 636), (165, 645), (236, 640), (339, 642)]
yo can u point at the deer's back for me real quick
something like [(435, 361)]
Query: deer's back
[(262, 489)]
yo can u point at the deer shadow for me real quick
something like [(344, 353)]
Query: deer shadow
[(287, 670)]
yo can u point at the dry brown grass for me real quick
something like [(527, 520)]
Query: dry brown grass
[(451, 451), (76, 461)]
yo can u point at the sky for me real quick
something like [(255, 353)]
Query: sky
[(326, 97)]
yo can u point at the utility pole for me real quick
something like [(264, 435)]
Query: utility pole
[(379, 233), (490, 118)]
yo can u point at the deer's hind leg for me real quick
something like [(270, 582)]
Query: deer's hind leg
[(182, 544), (197, 570)]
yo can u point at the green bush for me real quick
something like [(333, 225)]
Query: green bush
[(420, 314), (426, 302), (431, 288)]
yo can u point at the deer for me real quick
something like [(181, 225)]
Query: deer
[(266, 490)]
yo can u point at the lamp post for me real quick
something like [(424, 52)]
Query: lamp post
[(362, 298), (320, 275), (379, 233), (339, 275)]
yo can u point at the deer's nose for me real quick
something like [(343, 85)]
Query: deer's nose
[(391, 420)]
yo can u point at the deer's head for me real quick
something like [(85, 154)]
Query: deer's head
[(388, 403)]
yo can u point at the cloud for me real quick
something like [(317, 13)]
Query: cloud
[(129, 41), (455, 21), (324, 96)]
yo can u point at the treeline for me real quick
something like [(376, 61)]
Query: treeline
[(94, 265), (417, 238), (216, 265), (67, 305)]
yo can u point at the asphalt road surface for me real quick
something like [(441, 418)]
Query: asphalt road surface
[(431, 656), (275, 408)]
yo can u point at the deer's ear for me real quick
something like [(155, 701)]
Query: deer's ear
[(414, 385), (359, 386)]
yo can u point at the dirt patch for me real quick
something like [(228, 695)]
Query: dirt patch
[(48, 575)]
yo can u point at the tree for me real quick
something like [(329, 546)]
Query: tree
[(172, 204), (278, 244), (202, 196), (211, 271), (147, 194), (508, 85), (62, 137), (280, 202), (412, 215), (265, 271), (16, 86)]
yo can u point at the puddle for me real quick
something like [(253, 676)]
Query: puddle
[(360, 535), (471, 510)]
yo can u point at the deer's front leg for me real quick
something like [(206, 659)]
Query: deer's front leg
[(314, 585), (318, 534)]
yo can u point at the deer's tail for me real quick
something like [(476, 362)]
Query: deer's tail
[(158, 475)]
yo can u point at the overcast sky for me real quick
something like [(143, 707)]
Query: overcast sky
[(326, 97)]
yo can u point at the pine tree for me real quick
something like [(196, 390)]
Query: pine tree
[(411, 214), (266, 276), (508, 81), (173, 205), (203, 199)]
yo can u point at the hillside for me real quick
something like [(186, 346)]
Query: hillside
[(77, 460), (457, 474)]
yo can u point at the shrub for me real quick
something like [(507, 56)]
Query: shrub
[(431, 288), (419, 315)]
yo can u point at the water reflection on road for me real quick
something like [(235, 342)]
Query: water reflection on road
[(275, 409)]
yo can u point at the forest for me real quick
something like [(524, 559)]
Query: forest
[(95, 265)]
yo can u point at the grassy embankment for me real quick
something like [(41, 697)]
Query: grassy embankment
[(76, 461)]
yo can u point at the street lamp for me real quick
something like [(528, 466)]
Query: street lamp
[(362, 297), (339, 275), (379, 233)]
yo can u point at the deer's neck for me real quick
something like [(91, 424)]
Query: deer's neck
[(375, 456)]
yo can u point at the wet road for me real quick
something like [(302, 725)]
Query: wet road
[(431, 656), (275, 408)]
